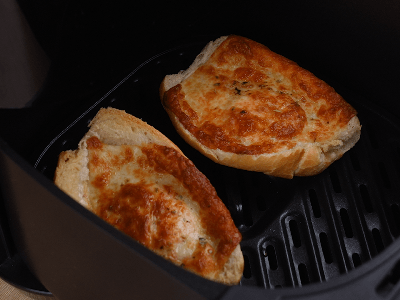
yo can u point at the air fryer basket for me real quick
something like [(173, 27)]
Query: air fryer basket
[(295, 232), (329, 236)]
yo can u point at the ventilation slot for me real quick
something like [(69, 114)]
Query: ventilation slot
[(366, 198), (335, 180), (326, 250), (303, 274), (390, 281), (314, 203), (269, 252), (356, 260), (294, 230), (395, 220), (348, 231), (247, 268), (377, 240), (384, 175)]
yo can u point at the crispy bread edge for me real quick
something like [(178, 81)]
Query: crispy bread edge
[(305, 159), (233, 267), (71, 175), (171, 80)]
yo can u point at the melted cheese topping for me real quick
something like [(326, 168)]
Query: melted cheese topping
[(159, 198), (247, 99)]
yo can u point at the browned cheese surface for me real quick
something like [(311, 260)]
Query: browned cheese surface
[(247, 99), (158, 197)]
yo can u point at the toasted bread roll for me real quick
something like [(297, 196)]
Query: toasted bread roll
[(244, 106), (136, 179)]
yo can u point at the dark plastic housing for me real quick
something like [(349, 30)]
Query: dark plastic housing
[(323, 237)]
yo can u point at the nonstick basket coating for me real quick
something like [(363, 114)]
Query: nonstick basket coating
[(295, 232)]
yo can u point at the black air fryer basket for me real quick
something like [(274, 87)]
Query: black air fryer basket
[(330, 236)]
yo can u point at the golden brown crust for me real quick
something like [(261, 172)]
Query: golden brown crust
[(248, 107), (136, 179)]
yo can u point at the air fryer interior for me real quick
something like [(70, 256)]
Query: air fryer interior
[(295, 232)]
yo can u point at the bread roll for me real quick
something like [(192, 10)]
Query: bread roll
[(244, 106), (136, 179)]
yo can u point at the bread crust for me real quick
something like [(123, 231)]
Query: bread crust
[(70, 174), (117, 128), (307, 151)]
